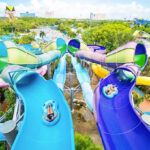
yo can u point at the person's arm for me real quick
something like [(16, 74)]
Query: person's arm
[(46, 118)]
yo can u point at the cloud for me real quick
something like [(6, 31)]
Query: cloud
[(2, 8), (77, 9)]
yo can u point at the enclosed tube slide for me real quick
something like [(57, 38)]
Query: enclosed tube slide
[(131, 52), (102, 73), (10, 54)]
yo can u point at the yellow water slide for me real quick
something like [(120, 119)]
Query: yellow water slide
[(102, 73)]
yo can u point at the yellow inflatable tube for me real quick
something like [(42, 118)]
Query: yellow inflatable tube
[(102, 73)]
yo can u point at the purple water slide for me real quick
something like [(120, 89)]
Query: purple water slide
[(97, 56), (119, 125)]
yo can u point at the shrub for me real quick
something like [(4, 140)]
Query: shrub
[(84, 142)]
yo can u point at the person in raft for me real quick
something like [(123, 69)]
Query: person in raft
[(111, 89), (50, 114)]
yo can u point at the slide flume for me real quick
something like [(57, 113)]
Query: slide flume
[(84, 80), (119, 125), (34, 90)]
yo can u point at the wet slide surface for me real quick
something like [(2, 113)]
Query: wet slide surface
[(34, 134), (119, 125), (84, 80), (59, 76)]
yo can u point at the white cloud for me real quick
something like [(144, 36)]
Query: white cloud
[(2, 8), (82, 10)]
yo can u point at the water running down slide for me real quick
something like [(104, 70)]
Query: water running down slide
[(84, 80), (60, 73), (34, 90), (119, 125)]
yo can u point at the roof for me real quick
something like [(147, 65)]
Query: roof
[(10, 8)]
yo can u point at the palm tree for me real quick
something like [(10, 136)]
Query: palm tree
[(42, 34)]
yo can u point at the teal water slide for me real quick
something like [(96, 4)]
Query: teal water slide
[(34, 133), (84, 80), (60, 73)]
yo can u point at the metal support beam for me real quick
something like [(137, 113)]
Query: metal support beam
[(49, 70), (9, 130)]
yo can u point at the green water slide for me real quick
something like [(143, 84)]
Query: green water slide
[(119, 57), (3, 62), (20, 56), (59, 44)]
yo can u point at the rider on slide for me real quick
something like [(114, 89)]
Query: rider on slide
[(50, 114)]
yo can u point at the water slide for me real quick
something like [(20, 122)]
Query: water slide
[(34, 133), (42, 71), (119, 125), (102, 73), (132, 52), (12, 54), (84, 80), (59, 76)]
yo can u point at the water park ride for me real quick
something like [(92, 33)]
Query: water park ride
[(10, 11), (122, 131)]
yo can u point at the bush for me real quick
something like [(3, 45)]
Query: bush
[(137, 99), (109, 35), (26, 39), (84, 142)]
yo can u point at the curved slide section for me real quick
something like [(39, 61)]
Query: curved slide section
[(84, 80), (35, 91), (60, 73), (131, 52), (14, 55), (102, 73), (119, 125)]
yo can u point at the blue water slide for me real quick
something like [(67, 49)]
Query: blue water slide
[(84, 80), (119, 125), (60, 73), (2, 138), (35, 132)]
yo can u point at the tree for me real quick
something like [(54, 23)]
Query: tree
[(26, 39), (42, 34), (109, 35)]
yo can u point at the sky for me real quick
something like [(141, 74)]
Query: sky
[(114, 9)]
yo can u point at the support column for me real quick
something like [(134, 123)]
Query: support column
[(90, 70), (49, 70), (9, 130), (72, 97)]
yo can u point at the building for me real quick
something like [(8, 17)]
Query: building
[(97, 16), (141, 21), (27, 14), (49, 14)]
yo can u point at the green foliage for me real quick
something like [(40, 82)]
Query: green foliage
[(142, 28), (147, 96), (26, 39), (66, 29), (3, 145), (137, 99), (16, 40), (42, 34), (84, 142), (109, 35), (10, 99)]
